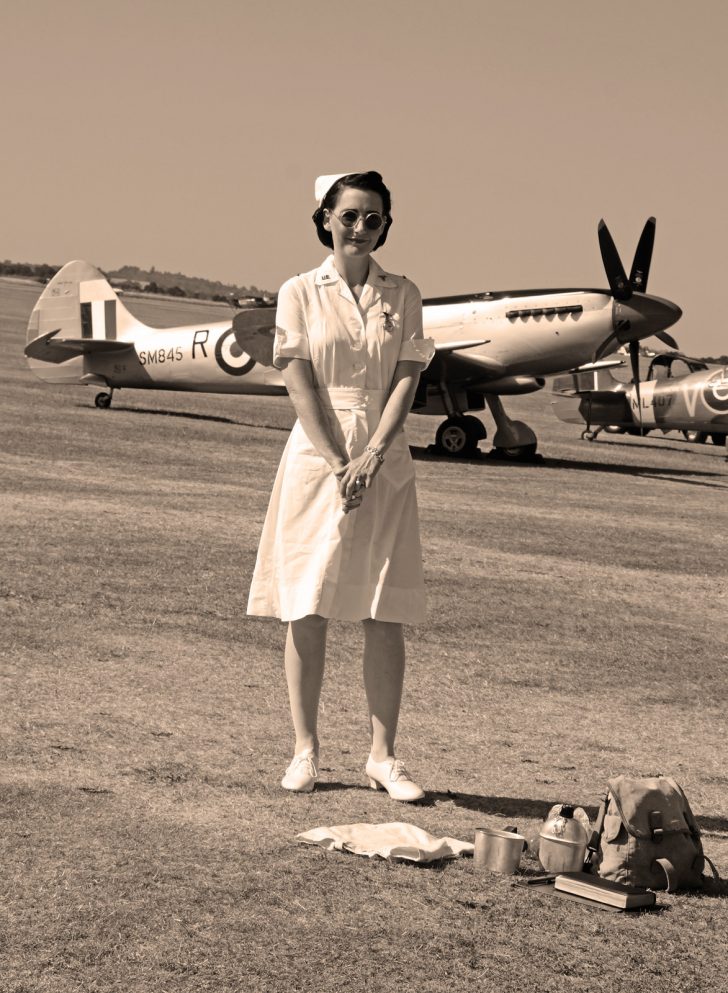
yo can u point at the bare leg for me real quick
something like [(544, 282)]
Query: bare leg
[(304, 660), (383, 679)]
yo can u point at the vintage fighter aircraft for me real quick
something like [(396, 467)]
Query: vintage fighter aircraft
[(695, 403), (489, 345)]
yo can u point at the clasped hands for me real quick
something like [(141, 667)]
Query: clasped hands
[(354, 478)]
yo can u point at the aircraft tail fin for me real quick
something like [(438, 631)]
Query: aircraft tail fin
[(80, 307)]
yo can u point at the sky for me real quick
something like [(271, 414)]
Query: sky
[(187, 136)]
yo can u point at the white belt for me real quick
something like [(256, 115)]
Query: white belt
[(352, 398)]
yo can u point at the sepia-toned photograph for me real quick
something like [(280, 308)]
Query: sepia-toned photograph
[(363, 497)]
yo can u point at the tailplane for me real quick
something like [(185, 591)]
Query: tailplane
[(77, 314)]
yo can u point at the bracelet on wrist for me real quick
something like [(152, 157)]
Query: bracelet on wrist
[(376, 452)]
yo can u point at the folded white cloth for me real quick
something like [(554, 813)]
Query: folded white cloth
[(389, 841)]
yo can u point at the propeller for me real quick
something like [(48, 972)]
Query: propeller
[(635, 315), (632, 322), (621, 287)]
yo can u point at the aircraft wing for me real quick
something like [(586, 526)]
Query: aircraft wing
[(453, 362), (458, 346), (594, 366), (48, 348)]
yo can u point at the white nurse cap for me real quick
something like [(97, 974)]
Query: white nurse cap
[(324, 183)]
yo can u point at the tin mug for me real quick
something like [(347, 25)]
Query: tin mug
[(499, 851)]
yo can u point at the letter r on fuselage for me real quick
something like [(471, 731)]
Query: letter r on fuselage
[(200, 340)]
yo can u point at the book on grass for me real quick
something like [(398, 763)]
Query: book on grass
[(606, 891)]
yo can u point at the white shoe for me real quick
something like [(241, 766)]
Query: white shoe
[(302, 773), (392, 776)]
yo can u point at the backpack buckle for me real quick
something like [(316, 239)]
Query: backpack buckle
[(655, 821)]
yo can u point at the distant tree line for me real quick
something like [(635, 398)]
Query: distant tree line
[(177, 284), (138, 280), (43, 272)]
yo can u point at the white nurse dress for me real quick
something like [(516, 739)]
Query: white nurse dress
[(313, 558)]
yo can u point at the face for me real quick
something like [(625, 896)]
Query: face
[(359, 240)]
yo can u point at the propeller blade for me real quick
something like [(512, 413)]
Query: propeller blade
[(668, 340), (618, 282), (634, 357), (642, 257)]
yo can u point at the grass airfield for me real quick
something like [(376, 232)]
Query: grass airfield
[(578, 629)]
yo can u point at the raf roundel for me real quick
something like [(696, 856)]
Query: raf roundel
[(230, 356), (715, 392)]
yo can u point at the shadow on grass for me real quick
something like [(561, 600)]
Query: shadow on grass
[(331, 786), (505, 806), (713, 825), (687, 476), (190, 415), (675, 445), (649, 472), (498, 806), (713, 888)]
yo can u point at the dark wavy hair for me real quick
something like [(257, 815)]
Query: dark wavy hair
[(359, 181)]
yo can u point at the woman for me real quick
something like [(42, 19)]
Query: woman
[(341, 537)]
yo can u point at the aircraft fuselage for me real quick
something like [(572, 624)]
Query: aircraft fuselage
[(697, 402), (205, 359)]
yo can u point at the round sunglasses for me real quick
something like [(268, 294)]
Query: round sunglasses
[(373, 221)]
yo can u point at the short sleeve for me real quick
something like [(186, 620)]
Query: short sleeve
[(415, 347), (291, 339)]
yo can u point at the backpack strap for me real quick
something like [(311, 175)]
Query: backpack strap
[(669, 869), (716, 874), (592, 848), (671, 875)]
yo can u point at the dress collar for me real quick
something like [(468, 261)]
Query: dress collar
[(378, 277), (327, 274)]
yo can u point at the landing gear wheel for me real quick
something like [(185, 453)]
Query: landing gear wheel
[(613, 429), (459, 435), (696, 437), (718, 439), (103, 400), (588, 435)]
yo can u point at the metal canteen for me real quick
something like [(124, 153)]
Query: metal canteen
[(563, 840)]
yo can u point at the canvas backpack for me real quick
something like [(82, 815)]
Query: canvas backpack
[(647, 835)]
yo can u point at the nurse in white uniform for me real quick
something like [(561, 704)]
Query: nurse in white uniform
[(341, 537)]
